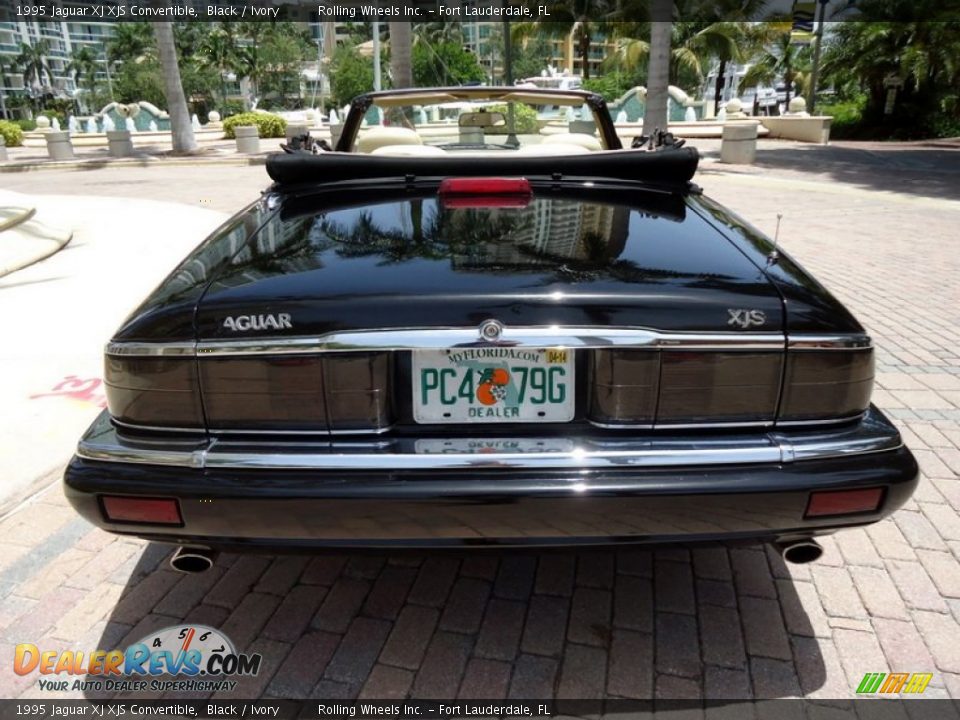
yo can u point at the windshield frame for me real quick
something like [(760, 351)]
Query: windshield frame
[(503, 93)]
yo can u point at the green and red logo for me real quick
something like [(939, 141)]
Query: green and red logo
[(894, 683)]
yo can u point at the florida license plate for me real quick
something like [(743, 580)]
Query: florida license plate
[(493, 385)]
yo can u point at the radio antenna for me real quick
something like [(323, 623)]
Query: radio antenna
[(774, 254)]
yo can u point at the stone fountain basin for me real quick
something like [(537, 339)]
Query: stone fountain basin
[(37, 138)]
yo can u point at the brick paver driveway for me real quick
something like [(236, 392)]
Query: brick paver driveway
[(671, 623)]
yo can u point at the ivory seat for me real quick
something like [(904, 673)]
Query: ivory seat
[(409, 151), (381, 136), (582, 139)]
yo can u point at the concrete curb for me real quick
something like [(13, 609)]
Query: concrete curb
[(144, 161), (51, 246), (25, 238)]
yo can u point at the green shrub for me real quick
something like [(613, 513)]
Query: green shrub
[(26, 125), (52, 113), (269, 126), (231, 108), (847, 117), (11, 132), (524, 120), (611, 86)]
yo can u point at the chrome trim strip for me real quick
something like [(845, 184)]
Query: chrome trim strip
[(443, 338), (160, 428), (874, 433), (819, 423), (682, 426), (294, 431), (219, 431), (829, 342), (447, 338), (145, 349)]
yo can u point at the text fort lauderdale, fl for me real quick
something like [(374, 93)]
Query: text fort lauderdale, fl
[(376, 11)]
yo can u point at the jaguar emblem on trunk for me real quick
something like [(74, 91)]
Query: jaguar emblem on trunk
[(243, 323), (490, 330)]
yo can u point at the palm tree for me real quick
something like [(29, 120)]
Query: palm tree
[(3, 89), (130, 42), (923, 54), (723, 41), (32, 62), (781, 59), (585, 19), (83, 66), (180, 128), (658, 75), (401, 67), (439, 32), (250, 63), (218, 50)]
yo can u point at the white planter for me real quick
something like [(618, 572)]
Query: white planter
[(59, 146), (812, 129), (119, 143), (293, 130), (248, 139), (739, 143)]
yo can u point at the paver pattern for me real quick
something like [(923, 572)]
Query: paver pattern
[(675, 623)]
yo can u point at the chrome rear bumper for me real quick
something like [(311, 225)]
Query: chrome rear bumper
[(105, 442)]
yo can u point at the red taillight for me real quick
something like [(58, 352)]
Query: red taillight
[(844, 502), (485, 192), (151, 511)]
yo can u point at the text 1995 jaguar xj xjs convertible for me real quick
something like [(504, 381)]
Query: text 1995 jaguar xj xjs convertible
[(466, 326)]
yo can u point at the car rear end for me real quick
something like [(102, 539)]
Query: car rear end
[(487, 363)]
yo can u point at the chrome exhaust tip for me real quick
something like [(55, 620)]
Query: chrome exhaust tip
[(800, 552), (192, 560)]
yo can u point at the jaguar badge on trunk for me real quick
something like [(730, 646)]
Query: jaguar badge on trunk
[(243, 323)]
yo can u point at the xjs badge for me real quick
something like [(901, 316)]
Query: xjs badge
[(243, 323), (746, 318)]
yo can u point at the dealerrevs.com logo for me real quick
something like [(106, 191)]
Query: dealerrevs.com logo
[(203, 655)]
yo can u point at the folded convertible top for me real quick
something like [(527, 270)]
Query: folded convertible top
[(673, 167)]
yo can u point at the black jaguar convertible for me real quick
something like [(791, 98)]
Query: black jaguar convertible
[(469, 324)]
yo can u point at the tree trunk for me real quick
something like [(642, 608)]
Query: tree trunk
[(401, 67), (658, 70), (180, 128), (788, 81), (721, 81), (584, 42)]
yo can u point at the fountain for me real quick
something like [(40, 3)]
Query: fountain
[(690, 115), (622, 116), (333, 119), (195, 122), (130, 125), (153, 126), (421, 115), (55, 125), (570, 115), (108, 124), (91, 125), (73, 125), (379, 115)]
